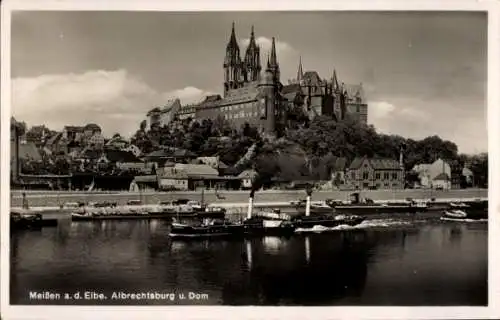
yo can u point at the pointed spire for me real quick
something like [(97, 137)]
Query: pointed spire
[(233, 43), (335, 83), (300, 73), (274, 60), (268, 62), (252, 34)]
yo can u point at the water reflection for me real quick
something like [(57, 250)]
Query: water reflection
[(339, 268)]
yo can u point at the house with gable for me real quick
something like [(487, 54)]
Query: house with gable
[(375, 173)]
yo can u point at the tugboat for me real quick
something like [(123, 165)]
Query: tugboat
[(206, 228), (266, 223), (310, 222)]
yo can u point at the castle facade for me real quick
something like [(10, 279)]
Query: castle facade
[(254, 94)]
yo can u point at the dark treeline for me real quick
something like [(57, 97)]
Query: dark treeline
[(304, 151)]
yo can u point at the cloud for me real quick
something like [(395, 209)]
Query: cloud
[(97, 96), (412, 119)]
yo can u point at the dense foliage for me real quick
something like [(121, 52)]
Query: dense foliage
[(306, 150)]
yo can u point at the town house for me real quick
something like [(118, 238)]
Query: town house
[(367, 173)]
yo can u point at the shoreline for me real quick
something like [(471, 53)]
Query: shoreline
[(56, 199)]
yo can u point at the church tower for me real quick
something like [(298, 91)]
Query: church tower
[(252, 60), (268, 100), (233, 66), (338, 97), (273, 65)]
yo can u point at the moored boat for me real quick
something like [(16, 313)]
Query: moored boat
[(368, 206), (463, 215), (206, 228), (24, 221)]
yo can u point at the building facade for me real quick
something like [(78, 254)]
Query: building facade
[(163, 116), (366, 173)]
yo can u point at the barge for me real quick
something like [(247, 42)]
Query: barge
[(134, 210), (368, 206)]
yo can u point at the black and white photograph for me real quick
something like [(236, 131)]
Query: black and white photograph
[(247, 158)]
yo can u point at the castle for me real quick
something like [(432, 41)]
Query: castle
[(258, 97)]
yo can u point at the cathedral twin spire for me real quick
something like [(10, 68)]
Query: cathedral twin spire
[(237, 71)]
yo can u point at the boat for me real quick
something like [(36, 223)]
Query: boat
[(465, 214), (25, 221), (368, 206), (310, 221), (206, 228), (316, 207), (269, 223), (455, 214), (135, 210), (302, 223)]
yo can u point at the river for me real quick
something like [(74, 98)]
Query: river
[(385, 262)]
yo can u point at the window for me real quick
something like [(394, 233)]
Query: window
[(353, 175), (394, 176), (357, 108), (365, 175), (377, 175), (386, 184), (386, 175)]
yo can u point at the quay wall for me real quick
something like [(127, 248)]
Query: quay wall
[(54, 199)]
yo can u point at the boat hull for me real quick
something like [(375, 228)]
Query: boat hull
[(147, 216), (327, 222), (28, 222), (204, 232), (263, 226), (377, 209)]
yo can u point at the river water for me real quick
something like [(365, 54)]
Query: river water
[(384, 262)]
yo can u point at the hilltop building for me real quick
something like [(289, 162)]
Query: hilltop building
[(254, 94)]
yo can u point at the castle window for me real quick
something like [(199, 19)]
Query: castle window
[(365, 175), (377, 175), (386, 175), (394, 176), (357, 108)]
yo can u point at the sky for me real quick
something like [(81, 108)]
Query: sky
[(424, 73)]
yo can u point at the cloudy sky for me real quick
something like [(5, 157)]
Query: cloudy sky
[(423, 73)]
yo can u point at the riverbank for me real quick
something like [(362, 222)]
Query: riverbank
[(57, 198)]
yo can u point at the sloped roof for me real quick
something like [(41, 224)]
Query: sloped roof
[(166, 108), (121, 156), (421, 167), (74, 128), (148, 178), (26, 150), (166, 153), (91, 154), (376, 163), (93, 127), (312, 77), (247, 174), (54, 139), (172, 173), (291, 88), (247, 93), (339, 164), (197, 169), (354, 90), (442, 176)]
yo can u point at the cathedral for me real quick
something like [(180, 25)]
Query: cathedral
[(255, 95)]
